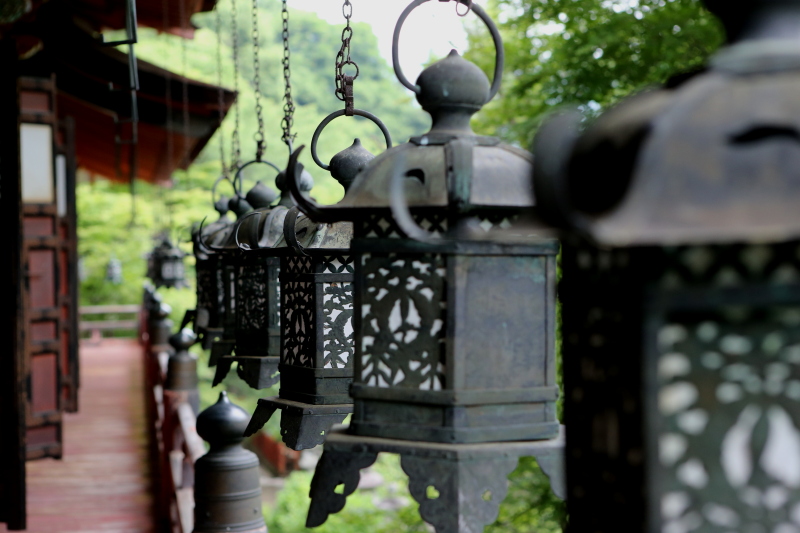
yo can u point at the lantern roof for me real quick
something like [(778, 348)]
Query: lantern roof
[(713, 158), (448, 162)]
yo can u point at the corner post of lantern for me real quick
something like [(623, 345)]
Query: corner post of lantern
[(681, 290), (454, 311)]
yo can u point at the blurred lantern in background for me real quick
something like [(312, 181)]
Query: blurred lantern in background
[(681, 290), (165, 266)]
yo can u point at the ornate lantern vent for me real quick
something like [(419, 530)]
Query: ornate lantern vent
[(681, 291), (454, 311)]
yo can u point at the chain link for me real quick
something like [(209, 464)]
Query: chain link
[(259, 135), (220, 91), (236, 146), (343, 58), (468, 3), (288, 105)]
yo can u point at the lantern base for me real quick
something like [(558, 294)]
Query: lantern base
[(303, 426), (258, 372), (457, 417), (220, 349), (459, 486), (210, 336)]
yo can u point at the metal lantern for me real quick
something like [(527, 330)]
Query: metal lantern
[(220, 245), (165, 265), (317, 350), (210, 291), (114, 271), (256, 281), (681, 291), (454, 312)]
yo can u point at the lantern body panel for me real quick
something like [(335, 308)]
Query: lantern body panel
[(455, 347), (317, 352), (683, 387), (258, 307)]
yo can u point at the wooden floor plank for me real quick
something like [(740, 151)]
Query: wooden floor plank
[(102, 484)]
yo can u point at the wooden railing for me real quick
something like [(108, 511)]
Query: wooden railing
[(97, 327), (175, 444)]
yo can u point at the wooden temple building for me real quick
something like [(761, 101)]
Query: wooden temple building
[(67, 103)]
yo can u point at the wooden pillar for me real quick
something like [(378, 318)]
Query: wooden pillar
[(12, 382)]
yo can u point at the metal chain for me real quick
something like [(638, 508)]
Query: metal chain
[(236, 146), (468, 3), (343, 57), (259, 135), (220, 91), (288, 106)]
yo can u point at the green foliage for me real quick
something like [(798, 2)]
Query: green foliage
[(586, 53), (362, 512), (314, 45)]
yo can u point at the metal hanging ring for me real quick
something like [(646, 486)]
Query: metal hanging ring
[(478, 10), (216, 184), (336, 114), (238, 178), (465, 13)]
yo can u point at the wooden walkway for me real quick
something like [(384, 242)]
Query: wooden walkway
[(103, 482)]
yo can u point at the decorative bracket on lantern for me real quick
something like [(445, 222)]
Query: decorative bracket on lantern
[(459, 486)]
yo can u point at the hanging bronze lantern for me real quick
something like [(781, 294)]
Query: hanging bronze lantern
[(165, 266), (681, 291), (317, 350), (210, 291), (221, 245), (454, 312), (256, 282)]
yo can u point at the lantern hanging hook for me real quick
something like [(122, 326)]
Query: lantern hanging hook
[(336, 114), (239, 245), (199, 241), (239, 177), (465, 13), (290, 231), (478, 10), (312, 209)]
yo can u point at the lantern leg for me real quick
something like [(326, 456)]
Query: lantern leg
[(223, 367), (220, 349), (335, 469), (258, 372), (457, 495)]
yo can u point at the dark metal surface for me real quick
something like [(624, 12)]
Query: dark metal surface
[(227, 487), (182, 367)]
